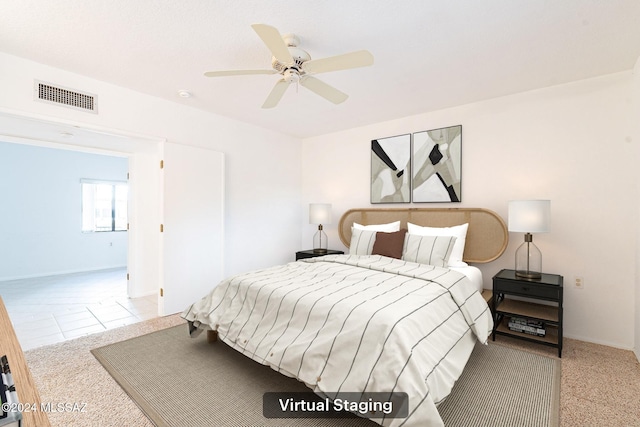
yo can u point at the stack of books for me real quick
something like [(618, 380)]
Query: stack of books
[(528, 326)]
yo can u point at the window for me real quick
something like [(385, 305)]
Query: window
[(104, 205)]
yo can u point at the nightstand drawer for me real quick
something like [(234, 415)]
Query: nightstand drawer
[(528, 289)]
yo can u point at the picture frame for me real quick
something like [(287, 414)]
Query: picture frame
[(437, 165), (391, 169)]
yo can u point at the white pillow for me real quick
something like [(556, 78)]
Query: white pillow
[(387, 228), (432, 250), (460, 233), (362, 242)]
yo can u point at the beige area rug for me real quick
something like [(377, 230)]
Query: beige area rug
[(67, 372), (179, 381), (505, 387)]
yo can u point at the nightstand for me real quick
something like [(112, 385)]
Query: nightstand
[(539, 321), (310, 253)]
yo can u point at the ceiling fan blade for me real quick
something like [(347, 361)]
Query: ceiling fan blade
[(360, 58), (237, 73), (324, 90), (272, 38), (276, 94)]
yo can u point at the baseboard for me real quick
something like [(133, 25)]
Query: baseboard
[(58, 273), (599, 342)]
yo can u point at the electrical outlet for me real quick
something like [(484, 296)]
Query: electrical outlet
[(579, 282)]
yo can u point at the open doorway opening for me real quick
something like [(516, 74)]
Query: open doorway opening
[(61, 276), (65, 243)]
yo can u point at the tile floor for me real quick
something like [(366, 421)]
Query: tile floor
[(47, 310)]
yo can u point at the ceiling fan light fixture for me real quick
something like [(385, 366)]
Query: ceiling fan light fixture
[(296, 66), (292, 75)]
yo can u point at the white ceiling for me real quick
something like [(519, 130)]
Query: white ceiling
[(429, 55)]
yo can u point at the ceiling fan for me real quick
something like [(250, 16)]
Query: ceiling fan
[(296, 66)]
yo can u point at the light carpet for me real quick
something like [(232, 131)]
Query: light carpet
[(179, 381)]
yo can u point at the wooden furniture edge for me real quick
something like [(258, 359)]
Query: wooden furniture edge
[(25, 385), (487, 294), (460, 215)]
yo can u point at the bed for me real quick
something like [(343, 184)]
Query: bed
[(367, 322)]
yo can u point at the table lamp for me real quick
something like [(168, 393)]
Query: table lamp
[(320, 213), (529, 216)]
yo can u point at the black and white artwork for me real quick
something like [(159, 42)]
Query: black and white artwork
[(390, 169), (437, 165)]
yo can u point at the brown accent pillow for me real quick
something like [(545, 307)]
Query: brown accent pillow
[(389, 244)]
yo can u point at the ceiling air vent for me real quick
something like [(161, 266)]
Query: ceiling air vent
[(67, 97)]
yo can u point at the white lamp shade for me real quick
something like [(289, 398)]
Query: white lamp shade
[(319, 213), (529, 216)]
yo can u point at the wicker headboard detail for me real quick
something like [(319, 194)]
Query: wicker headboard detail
[(487, 236)]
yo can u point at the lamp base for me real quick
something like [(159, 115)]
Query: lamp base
[(533, 275), (528, 259), (320, 241)]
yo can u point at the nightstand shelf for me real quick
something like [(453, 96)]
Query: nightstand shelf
[(543, 304), (551, 337), (529, 309)]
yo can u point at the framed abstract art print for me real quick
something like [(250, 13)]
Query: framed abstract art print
[(436, 157), (390, 169)]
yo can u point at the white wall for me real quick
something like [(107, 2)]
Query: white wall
[(636, 156), (570, 144), (262, 209), (40, 212)]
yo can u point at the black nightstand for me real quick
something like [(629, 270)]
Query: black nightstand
[(310, 253), (531, 321)]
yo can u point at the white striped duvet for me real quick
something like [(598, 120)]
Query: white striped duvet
[(344, 323)]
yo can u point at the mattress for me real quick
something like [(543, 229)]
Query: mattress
[(473, 274)]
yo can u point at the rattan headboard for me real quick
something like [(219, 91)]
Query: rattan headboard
[(487, 236)]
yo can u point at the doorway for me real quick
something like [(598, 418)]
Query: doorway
[(142, 153), (124, 257)]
